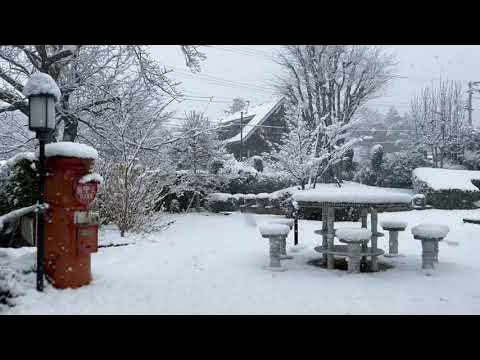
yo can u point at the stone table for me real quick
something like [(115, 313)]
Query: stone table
[(368, 199)]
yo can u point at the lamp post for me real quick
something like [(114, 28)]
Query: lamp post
[(41, 120)]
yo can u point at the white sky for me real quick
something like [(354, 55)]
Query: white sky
[(247, 70)]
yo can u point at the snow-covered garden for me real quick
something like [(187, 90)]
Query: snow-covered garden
[(213, 264), (271, 208)]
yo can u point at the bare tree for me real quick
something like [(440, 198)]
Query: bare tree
[(329, 83), (438, 118), (88, 77)]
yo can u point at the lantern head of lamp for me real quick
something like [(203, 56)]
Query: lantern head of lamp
[(41, 114)]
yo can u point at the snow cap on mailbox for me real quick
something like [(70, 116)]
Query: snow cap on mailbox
[(70, 149)]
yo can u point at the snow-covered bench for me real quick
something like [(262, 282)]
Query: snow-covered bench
[(393, 227), (283, 245), (354, 238), (276, 233), (430, 235)]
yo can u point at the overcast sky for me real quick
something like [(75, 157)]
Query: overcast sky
[(246, 71)]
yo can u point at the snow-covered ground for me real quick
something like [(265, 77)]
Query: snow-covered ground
[(213, 264)]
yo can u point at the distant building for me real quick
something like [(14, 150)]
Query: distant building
[(261, 127)]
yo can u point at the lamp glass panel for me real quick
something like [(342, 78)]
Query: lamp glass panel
[(51, 113), (38, 112)]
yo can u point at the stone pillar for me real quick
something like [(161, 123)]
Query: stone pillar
[(324, 228), (363, 216), (393, 242), (374, 219), (330, 237), (428, 253), (275, 245), (354, 257), (283, 249), (436, 251)]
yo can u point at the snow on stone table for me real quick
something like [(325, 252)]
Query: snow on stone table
[(352, 193), (212, 264)]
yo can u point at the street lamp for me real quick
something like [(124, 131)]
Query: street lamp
[(42, 121)]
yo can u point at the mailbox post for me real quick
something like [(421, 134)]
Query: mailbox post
[(71, 233)]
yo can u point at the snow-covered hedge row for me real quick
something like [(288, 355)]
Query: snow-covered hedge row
[(447, 189)]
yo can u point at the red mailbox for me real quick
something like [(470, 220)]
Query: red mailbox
[(70, 234)]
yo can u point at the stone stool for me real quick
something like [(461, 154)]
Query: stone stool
[(430, 235), (275, 233), (354, 238), (283, 245), (393, 227)]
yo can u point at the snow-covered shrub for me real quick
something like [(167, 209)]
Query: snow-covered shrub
[(18, 183), (457, 189), (376, 156), (128, 196), (394, 171), (250, 199), (215, 166), (258, 163), (471, 159), (263, 199), (189, 189), (240, 177), (217, 202)]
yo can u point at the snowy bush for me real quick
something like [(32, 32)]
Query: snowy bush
[(376, 156), (447, 189), (18, 184), (218, 202), (394, 171), (258, 163), (263, 199)]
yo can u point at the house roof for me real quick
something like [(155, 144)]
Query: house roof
[(260, 114)]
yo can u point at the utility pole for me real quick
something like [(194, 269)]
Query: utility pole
[(241, 136), (470, 91)]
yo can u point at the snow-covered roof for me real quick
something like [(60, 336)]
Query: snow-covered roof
[(70, 149), (260, 113), (447, 179), (353, 193), (41, 84)]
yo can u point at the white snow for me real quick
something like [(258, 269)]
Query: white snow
[(263, 196), (418, 196), (353, 234), (30, 156), (70, 149), (213, 264), (95, 177), (430, 230), (273, 229), (447, 179), (239, 196), (393, 224), (352, 193), (250, 196), (41, 84), (219, 197), (288, 222), (260, 112)]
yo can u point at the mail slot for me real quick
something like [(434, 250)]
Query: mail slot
[(87, 239)]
